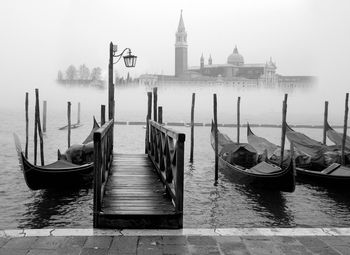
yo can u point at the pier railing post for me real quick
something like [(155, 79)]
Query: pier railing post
[(160, 114), (44, 115), (37, 110), (103, 114), (238, 117)]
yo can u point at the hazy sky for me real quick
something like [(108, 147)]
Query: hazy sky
[(304, 37)]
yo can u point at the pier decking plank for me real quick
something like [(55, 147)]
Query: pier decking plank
[(135, 197)]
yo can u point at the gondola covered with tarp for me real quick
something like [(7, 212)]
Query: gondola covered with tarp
[(315, 162), (59, 174), (240, 163)]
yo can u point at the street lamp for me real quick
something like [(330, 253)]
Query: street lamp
[(129, 61)]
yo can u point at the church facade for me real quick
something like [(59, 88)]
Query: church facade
[(235, 71)]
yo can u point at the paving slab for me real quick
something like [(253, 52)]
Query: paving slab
[(102, 242)]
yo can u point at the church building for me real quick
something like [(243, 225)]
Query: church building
[(234, 71)]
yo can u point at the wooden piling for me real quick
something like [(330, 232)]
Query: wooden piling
[(192, 126), (103, 114), (27, 124), (160, 114), (44, 115), (69, 121), (148, 117), (284, 127), (345, 128), (35, 134), (216, 147), (37, 110), (78, 118), (325, 120), (155, 99), (238, 117)]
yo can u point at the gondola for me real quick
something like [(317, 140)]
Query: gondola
[(314, 170), (239, 163), (336, 137), (58, 175), (321, 170)]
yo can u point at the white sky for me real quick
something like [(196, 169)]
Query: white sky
[(303, 37)]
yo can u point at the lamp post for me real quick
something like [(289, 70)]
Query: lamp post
[(129, 61)]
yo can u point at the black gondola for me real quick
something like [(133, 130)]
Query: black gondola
[(331, 175), (60, 174), (239, 163)]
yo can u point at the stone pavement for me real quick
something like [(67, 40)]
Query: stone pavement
[(147, 242)]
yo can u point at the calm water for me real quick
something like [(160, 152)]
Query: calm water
[(206, 205)]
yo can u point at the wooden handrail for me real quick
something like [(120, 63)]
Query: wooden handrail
[(166, 150), (103, 157)]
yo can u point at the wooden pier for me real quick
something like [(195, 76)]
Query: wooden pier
[(139, 190)]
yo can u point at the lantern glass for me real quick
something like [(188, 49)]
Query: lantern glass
[(130, 60)]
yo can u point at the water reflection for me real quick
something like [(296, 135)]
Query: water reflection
[(53, 208)]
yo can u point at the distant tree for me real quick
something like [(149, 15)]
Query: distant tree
[(71, 73), (60, 75), (96, 74), (84, 72)]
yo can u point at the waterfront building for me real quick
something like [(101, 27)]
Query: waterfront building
[(235, 71)]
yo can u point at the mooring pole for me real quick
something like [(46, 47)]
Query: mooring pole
[(345, 128), (160, 114), (78, 119), (284, 127), (155, 99), (35, 133), (192, 125), (148, 117), (39, 126), (44, 115), (110, 84), (103, 114), (27, 124), (238, 117), (69, 122), (216, 147), (325, 120)]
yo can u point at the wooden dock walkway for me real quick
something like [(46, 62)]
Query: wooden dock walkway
[(139, 190)]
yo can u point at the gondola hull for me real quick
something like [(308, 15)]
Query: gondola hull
[(268, 176), (45, 178), (283, 181), (325, 180)]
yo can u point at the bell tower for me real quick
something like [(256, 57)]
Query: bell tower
[(180, 49)]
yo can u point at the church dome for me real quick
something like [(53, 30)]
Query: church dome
[(235, 58)]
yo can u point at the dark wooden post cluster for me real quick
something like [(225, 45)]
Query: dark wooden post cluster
[(216, 147), (284, 126), (192, 125), (345, 128), (160, 114), (325, 120)]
